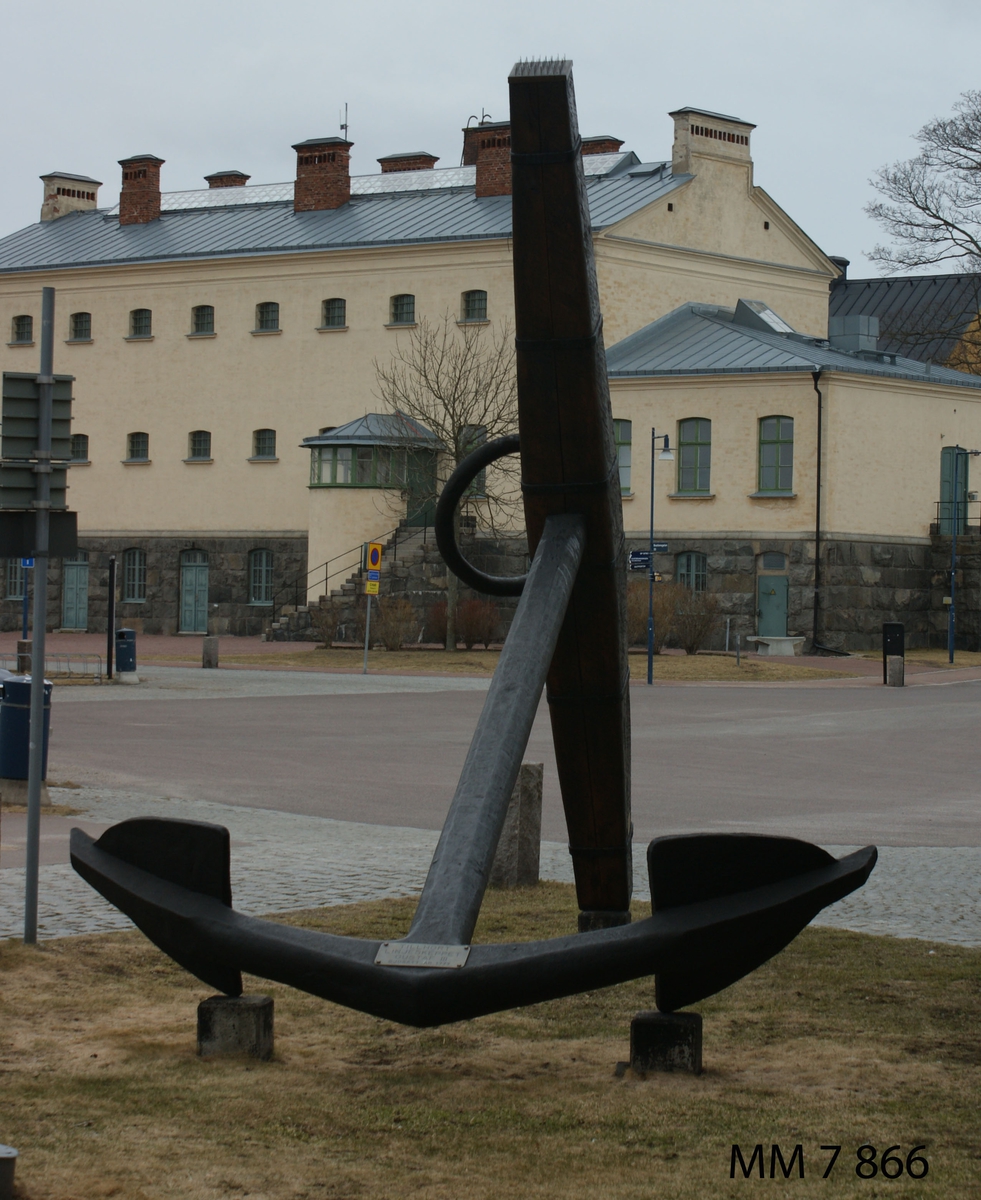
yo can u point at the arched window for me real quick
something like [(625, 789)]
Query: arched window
[(199, 446), (22, 329), (80, 327), (691, 570), (80, 447), (141, 323), (264, 443), (267, 317), (622, 437), (137, 447), (203, 318), (403, 310), (474, 307), (261, 577), (694, 455), (776, 454), (134, 576), (334, 313)]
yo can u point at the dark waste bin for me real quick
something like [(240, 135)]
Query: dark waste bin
[(893, 644), (15, 727), (125, 650)]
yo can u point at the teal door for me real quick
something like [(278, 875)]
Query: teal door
[(772, 611), (194, 592), (421, 487), (947, 497), (75, 592)]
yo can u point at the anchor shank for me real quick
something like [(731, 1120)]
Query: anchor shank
[(461, 865)]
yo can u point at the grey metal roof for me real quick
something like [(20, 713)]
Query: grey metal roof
[(376, 429), (707, 112), (222, 225), (920, 316), (68, 175), (702, 339)]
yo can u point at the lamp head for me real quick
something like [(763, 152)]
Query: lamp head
[(666, 455)]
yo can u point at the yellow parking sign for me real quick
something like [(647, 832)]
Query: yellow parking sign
[(374, 555)]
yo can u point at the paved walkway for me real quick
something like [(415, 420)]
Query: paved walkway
[(283, 861)]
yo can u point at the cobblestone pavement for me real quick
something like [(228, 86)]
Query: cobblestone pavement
[(282, 861)]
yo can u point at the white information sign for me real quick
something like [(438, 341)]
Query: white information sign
[(418, 954)]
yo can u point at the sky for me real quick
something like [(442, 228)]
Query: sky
[(836, 89)]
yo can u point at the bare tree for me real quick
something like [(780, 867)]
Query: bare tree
[(931, 206), (458, 380)]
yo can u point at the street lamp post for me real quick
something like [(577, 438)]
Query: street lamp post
[(951, 619), (666, 456)]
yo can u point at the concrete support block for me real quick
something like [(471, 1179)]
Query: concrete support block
[(519, 850), (209, 652), (8, 1161), (126, 677), (24, 650), (14, 791), (895, 670), (236, 1025), (666, 1042)]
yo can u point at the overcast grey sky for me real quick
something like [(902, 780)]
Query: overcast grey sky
[(836, 89)]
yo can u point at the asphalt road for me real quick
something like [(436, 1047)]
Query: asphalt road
[(833, 765)]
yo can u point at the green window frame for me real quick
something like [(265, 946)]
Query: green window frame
[(474, 306), (267, 317), (691, 570), (261, 577), (203, 318), (137, 447), (776, 471), (334, 313), (358, 466), (199, 444), (80, 327), (403, 310), (694, 456), (141, 323), (16, 579), (134, 576), (623, 440), (264, 443), (80, 447), (22, 328)]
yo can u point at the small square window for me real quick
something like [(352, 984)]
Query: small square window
[(403, 310), (203, 319), (80, 327), (475, 306), (264, 443), (22, 329), (80, 447), (334, 314), (138, 447), (199, 444), (140, 323), (267, 317)]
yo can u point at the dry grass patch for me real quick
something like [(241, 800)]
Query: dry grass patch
[(938, 658), (843, 1038)]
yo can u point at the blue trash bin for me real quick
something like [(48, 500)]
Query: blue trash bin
[(15, 727), (125, 650)]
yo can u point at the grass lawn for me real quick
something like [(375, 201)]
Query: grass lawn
[(842, 1039), (705, 668)]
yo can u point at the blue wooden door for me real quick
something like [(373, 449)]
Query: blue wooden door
[(75, 592), (194, 592), (772, 610), (947, 497)]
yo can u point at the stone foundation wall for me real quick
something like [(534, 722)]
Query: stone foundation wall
[(229, 610)]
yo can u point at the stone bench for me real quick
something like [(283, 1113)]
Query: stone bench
[(786, 646)]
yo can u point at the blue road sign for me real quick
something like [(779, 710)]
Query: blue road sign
[(660, 547), (640, 560), (373, 576), (27, 562)]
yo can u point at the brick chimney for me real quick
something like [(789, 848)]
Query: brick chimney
[(64, 193), (139, 200), (416, 160), (604, 144), (222, 179), (488, 147), (323, 174)]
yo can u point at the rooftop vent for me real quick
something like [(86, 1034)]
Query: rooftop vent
[(323, 174), (139, 199), (224, 179), (415, 160), (856, 333), (65, 193), (700, 133)]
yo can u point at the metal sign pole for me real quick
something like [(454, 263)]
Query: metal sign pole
[(42, 506), (367, 634), (111, 619)]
